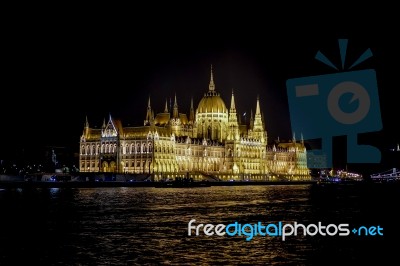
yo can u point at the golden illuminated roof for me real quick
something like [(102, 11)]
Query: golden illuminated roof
[(211, 103), (118, 126), (162, 119), (290, 144), (183, 118), (136, 132), (93, 134)]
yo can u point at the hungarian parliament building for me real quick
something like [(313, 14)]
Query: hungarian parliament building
[(209, 143)]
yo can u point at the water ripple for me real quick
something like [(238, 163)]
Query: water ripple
[(131, 226)]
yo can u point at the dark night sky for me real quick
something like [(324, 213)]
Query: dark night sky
[(60, 69)]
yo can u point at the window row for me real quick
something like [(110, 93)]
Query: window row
[(95, 149), (112, 148)]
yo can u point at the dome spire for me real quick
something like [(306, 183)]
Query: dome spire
[(211, 86)]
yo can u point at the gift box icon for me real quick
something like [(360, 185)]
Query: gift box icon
[(344, 103)]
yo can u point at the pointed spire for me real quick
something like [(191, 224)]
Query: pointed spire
[(86, 130), (175, 102), (302, 139), (294, 137), (86, 122), (110, 119), (211, 86), (233, 107), (258, 106), (166, 106), (104, 123), (258, 125), (191, 115), (233, 119), (148, 113), (175, 113)]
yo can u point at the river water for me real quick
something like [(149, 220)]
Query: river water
[(149, 226)]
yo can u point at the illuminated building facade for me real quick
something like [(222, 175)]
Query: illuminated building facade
[(210, 143)]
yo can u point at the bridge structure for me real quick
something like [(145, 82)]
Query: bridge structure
[(389, 175)]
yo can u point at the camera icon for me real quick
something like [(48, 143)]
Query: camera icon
[(338, 104)]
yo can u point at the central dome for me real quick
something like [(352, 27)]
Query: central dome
[(212, 115), (211, 103)]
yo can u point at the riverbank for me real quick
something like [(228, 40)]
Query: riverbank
[(72, 184)]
